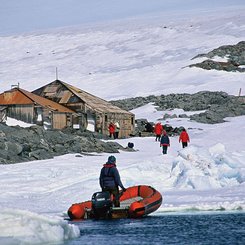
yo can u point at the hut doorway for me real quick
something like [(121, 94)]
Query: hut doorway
[(91, 122)]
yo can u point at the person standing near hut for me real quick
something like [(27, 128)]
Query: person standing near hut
[(117, 129), (158, 129), (111, 129), (184, 138), (164, 142)]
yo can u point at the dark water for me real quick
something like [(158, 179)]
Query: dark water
[(215, 228)]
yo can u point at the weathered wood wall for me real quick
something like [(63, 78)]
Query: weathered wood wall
[(24, 113), (59, 120), (126, 122)]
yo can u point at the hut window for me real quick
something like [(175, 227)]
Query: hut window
[(106, 119), (73, 99), (132, 120)]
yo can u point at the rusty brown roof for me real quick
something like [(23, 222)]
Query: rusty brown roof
[(17, 96), (94, 102)]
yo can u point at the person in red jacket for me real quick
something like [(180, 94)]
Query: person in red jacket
[(111, 130), (158, 129), (184, 138)]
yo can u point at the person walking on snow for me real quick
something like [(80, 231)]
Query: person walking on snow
[(158, 129), (184, 138), (164, 142), (110, 179)]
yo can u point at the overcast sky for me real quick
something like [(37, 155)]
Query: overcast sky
[(18, 16)]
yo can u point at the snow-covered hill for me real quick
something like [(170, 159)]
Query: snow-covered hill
[(136, 57)]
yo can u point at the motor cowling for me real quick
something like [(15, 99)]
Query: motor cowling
[(101, 205)]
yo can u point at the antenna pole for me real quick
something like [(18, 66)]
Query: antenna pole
[(56, 72)]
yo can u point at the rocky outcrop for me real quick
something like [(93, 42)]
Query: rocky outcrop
[(233, 54), (26, 144), (217, 105)]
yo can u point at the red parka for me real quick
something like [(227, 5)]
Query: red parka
[(111, 128), (184, 137), (158, 129)]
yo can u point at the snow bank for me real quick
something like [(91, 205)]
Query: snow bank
[(221, 199), (24, 227), (14, 122), (202, 168)]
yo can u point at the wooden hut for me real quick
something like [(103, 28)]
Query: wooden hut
[(31, 108), (95, 113)]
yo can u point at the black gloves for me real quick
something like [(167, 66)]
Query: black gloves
[(124, 189)]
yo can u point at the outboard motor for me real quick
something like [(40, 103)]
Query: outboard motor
[(101, 205)]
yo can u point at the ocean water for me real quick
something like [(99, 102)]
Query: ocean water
[(194, 228)]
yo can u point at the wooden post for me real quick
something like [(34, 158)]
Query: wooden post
[(240, 92)]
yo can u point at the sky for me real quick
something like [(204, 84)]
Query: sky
[(126, 58), (27, 15)]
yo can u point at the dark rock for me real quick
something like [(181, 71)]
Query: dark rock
[(235, 55), (34, 143), (183, 116), (218, 105)]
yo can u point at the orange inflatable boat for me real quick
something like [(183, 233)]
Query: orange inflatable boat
[(135, 202)]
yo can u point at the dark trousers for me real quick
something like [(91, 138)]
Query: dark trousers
[(116, 135), (115, 192), (158, 137), (184, 144), (164, 149)]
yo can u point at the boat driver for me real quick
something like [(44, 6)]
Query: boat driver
[(110, 179)]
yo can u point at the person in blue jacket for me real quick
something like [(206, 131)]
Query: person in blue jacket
[(110, 179), (164, 142)]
